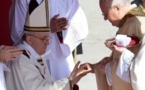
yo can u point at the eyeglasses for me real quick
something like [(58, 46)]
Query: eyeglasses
[(43, 39)]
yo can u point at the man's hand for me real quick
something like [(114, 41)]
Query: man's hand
[(88, 65), (8, 53), (78, 73), (119, 49), (58, 24), (109, 43)]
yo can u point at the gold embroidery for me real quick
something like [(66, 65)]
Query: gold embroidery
[(40, 61), (137, 11)]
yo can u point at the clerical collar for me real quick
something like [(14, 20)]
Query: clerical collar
[(31, 50), (137, 11)]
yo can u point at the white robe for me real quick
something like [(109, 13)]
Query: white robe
[(2, 78), (61, 59), (27, 74), (137, 69)]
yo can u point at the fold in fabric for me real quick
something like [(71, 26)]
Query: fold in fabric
[(108, 74), (3, 68), (124, 65)]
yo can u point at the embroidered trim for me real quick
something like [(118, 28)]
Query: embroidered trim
[(137, 11)]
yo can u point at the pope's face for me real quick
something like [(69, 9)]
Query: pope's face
[(39, 41), (110, 13)]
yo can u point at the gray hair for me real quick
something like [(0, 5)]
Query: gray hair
[(26, 33), (29, 33), (111, 3)]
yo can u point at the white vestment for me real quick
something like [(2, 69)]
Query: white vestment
[(2, 78), (61, 60), (137, 69), (28, 74)]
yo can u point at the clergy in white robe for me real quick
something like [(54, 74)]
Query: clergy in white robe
[(60, 58), (137, 69), (28, 74), (31, 71)]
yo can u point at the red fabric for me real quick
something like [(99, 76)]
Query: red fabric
[(60, 36), (4, 22), (75, 87), (134, 40)]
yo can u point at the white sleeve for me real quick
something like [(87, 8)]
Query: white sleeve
[(123, 66), (108, 74), (17, 17), (77, 29), (137, 70), (29, 77), (2, 79)]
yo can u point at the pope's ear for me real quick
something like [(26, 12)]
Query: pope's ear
[(117, 7), (28, 39)]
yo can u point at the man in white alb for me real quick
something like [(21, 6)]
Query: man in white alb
[(32, 71), (68, 29)]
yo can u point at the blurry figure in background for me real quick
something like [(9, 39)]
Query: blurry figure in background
[(68, 26), (7, 53), (78, 50), (139, 2)]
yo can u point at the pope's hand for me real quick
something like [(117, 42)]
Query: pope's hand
[(88, 65), (78, 73)]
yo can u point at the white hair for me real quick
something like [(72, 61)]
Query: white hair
[(111, 3)]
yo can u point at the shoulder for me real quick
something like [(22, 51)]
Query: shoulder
[(24, 59), (136, 20)]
